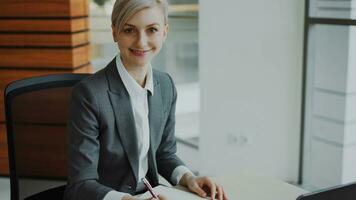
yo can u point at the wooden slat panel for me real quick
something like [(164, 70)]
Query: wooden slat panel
[(44, 40), (7, 76), (85, 69), (43, 25), (4, 164), (81, 55), (44, 58), (79, 7), (43, 8)]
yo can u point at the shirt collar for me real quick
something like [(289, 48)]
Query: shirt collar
[(130, 83)]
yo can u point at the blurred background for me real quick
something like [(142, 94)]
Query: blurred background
[(267, 87)]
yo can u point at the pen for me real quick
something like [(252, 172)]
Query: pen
[(149, 187)]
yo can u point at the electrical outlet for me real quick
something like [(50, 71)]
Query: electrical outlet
[(239, 139)]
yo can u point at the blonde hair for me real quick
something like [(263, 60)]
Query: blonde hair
[(124, 9)]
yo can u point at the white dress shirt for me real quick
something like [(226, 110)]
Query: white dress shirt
[(139, 103)]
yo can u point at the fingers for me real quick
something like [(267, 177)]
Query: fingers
[(193, 184), (160, 197), (216, 191), (197, 189), (204, 185), (224, 195), (211, 186), (220, 192)]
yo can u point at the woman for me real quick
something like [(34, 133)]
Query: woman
[(121, 124)]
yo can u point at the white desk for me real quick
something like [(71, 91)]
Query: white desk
[(240, 187), (253, 187)]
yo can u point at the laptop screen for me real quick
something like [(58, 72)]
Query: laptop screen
[(342, 192)]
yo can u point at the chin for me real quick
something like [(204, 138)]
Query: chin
[(141, 63)]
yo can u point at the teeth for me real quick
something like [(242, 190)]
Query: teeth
[(139, 51), (135, 50)]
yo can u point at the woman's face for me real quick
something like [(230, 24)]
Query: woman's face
[(142, 37)]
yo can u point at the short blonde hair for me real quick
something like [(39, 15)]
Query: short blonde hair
[(124, 9)]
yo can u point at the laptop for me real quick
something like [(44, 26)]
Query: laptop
[(341, 192)]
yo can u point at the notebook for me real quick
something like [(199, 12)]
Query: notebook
[(173, 193)]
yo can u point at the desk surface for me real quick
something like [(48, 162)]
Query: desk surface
[(254, 187)]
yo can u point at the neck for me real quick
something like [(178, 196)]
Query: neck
[(138, 73)]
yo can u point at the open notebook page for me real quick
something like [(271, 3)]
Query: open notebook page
[(172, 193)]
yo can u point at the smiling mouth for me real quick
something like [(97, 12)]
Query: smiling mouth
[(139, 52)]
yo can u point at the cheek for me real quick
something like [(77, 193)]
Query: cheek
[(157, 40), (124, 41)]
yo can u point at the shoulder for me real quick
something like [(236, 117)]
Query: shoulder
[(166, 85), (86, 86), (163, 78), (95, 83)]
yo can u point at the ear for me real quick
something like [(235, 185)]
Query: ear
[(165, 32), (114, 33)]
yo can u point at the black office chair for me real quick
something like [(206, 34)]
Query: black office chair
[(36, 112)]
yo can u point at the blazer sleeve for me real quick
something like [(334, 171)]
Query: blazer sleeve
[(83, 146), (166, 157)]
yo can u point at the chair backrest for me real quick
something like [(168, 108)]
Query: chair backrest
[(36, 112)]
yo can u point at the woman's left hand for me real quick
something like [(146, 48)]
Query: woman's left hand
[(203, 186)]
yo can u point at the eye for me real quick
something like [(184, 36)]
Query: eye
[(152, 30), (128, 30)]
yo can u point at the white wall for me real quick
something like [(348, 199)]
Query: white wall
[(251, 77)]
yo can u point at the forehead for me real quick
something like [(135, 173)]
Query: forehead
[(147, 16)]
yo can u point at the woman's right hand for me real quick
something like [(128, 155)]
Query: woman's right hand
[(160, 198)]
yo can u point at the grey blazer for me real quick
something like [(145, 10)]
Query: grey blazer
[(103, 148)]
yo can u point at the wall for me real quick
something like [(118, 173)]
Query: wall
[(251, 77), (330, 119)]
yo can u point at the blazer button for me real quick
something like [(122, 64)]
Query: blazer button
[(129, 187)]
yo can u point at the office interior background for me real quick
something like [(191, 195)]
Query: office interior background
[(265, 87)]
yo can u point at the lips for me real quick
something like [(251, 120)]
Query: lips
[(139, 52)]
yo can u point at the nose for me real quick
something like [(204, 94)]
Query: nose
[(141, 40)]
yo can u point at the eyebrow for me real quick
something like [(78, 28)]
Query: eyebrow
[(126, 24)]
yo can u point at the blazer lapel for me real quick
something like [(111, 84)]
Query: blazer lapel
[(120, 101), (155, 122)]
